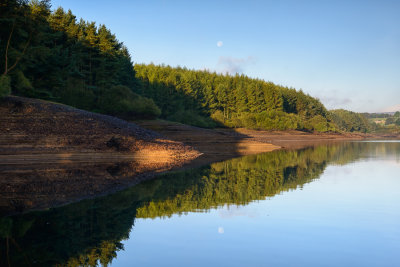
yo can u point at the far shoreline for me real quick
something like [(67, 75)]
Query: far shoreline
[(224, 143)]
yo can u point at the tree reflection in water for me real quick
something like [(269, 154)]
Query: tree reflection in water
[(90, 232)]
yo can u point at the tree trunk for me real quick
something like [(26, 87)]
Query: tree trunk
[(8, 45)]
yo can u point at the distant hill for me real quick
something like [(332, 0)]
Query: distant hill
[(378, 114)]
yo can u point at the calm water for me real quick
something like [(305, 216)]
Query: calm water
[(336, 205)]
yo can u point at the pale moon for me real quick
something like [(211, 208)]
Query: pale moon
[(221, 230), (220, 43)]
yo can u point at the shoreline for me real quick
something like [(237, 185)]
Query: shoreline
[(222, 143), (52, 155)]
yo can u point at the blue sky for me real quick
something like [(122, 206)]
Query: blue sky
[(347, 53)]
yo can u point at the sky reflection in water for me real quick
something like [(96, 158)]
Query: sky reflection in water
[(334, 205), (350, 216)]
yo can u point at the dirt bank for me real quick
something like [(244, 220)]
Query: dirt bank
[(215, 145), (52, 154), (221, 144)]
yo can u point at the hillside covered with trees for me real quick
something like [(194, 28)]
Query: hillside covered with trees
[(54, 56), (350, 121), (204, 98)]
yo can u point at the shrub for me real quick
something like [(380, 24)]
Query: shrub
[(218, 116), (319, 124), (5, 85), (192, 118), (121, 101)]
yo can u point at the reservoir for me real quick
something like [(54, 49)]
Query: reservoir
[(328, 205)]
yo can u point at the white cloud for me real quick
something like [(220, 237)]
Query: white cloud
[(392, 108), (332, 99), (335, 102), (233, 211), (233, 65), (220, 43)]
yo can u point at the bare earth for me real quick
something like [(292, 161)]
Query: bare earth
[(222, 144), (52, 154)]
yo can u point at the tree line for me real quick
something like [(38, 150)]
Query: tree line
[(384, 122), (393, 120), (207, 99), (54, 56), (350, 121)]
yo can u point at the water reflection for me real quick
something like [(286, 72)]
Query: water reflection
[(40, 186), (90, 232)]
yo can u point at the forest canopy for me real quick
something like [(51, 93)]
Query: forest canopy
[(54, 56), (207, 99), (350, 121)]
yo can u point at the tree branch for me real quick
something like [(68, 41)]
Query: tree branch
[(8, 45), (23, 52)]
